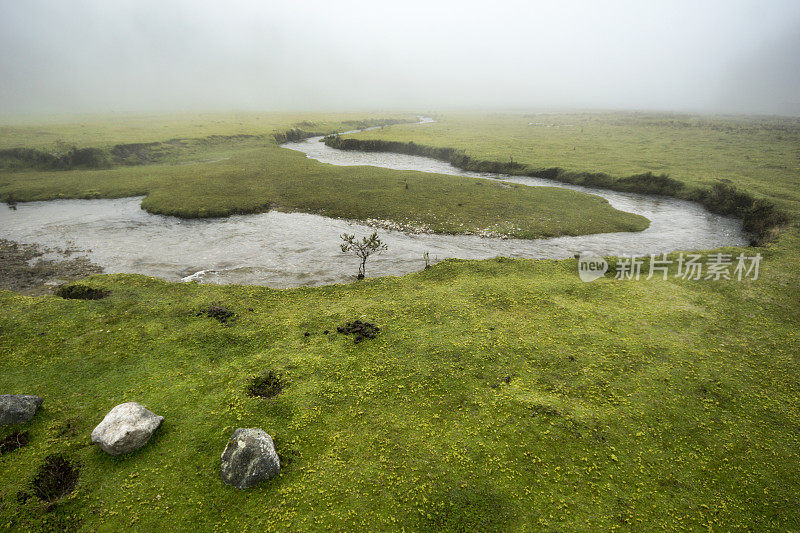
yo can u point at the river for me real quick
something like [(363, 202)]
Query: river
[(297, 249)]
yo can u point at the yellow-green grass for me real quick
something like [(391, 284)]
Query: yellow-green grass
[(500, 395), (219, 177)]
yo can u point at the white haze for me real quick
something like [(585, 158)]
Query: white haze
[(733, 56)]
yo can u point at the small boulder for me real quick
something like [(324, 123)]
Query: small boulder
[(249, 458), (126, 428), (18, 408)]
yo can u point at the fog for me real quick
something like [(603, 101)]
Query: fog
[(731, 56)]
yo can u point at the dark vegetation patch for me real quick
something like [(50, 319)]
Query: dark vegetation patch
[(218, 312), (293, 135), (31, 158), (120, 154), (136, 153), (267, 385), (15, 441), (361, 330), (57, 477), (760, 217), (79, 291), (466, 508)]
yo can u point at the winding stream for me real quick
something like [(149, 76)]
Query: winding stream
[(296, 249)]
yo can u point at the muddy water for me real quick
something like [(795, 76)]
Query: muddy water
[(295, 249)]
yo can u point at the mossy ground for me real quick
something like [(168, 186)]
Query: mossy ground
[(499, 395)]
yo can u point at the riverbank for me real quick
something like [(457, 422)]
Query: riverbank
[(24, 270)]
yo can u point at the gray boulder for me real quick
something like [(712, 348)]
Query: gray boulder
[(17, 408), (249, 458), (126, 428)]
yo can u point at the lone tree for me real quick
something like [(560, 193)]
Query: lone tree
[(363, 249)]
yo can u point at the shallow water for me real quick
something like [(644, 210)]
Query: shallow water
[(295, 249)]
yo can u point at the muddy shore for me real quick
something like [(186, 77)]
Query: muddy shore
[(24, 269)]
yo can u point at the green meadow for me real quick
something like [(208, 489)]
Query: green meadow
[(499, 395)]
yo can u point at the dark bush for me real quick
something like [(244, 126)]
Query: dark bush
[(78, 291), (82, 157), (651, 184), (726, 199), (15, 158), (293, 135)]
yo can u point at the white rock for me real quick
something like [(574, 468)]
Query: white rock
[(126, 428)]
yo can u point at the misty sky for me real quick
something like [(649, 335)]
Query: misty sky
[(735, 56)]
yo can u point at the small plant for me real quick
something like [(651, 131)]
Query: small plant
[(363, 249), (427, 257)]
